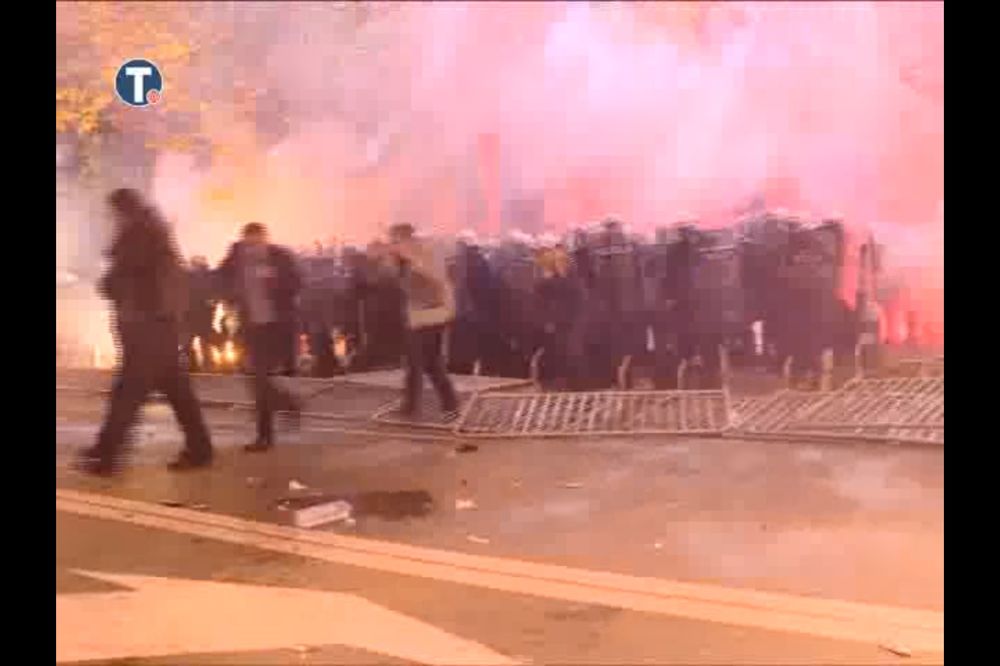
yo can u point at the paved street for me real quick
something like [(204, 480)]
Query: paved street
[(705, 526)]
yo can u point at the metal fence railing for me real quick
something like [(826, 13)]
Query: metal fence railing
[(909, 409), (538, 414)]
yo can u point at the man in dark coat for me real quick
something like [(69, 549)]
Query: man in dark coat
[(559, 303), (377, 298), (146, 285), (264, 281), (583, 352), (318, 304)]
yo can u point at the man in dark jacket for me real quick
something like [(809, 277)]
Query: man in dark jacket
[(559, 303), (378, 302), (146, 286), (317, 304), (264, 282), (476, 335)]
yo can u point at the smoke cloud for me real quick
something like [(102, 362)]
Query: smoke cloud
[(445, 113)]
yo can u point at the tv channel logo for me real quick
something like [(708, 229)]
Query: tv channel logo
[(139, 83)]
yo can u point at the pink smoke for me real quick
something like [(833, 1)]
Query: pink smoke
[(648, 111)]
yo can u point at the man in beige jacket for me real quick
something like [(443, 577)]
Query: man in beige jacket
[(429, 311)]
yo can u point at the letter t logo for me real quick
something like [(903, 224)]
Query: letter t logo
[(138, 74)]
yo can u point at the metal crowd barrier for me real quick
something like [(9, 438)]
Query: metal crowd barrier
[(907, 410), (593, 413)]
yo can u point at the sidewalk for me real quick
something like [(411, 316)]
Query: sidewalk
[(857, 523)]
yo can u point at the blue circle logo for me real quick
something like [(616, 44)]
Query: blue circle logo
[(139, 83)]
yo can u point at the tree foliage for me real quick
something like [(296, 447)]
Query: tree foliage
[(93, 39), (212, 57)]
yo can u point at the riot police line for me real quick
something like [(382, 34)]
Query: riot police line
[(596, 309)]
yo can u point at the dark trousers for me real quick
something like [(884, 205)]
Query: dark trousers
[(464, 352), (321, 346), (423, 355), (151, 362), (666, 352), (555, 363), (268, 348), (597, 369), (289, 344)]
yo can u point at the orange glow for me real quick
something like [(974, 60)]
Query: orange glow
[(199, 353), (340, 345), (229, 353), (219, 314)]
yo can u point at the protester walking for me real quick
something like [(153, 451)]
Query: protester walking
[(429, 311), (264, 282), (147, 287)]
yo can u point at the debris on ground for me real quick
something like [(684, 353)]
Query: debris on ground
[(466, 448), (199, 507), (303, 650), (572, 485), (475, 539), (516, 483), (295, 485), (322, 514), (465, 504), (254, 481), (895, 649), (391, 505), (658, 545)]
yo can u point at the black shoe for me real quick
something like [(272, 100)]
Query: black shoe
[(188, 461), (258, 447)]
